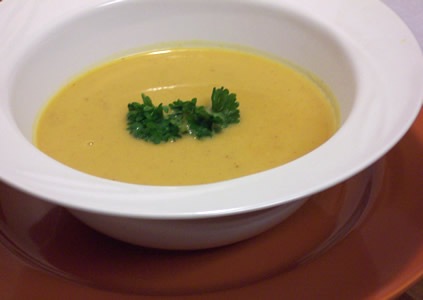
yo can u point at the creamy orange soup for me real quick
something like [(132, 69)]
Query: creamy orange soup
[(284, 115)]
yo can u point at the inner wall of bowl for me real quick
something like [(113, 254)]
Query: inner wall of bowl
[(101, 33)]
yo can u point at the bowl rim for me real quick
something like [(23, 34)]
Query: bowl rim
[(78, 190)]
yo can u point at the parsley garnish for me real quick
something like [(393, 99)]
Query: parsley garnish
[(163, 123)]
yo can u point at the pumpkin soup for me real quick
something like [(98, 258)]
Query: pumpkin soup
[(284, 114)]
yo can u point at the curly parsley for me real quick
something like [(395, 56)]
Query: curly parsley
[(157, 124)]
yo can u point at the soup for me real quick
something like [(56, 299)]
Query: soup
[(285, 114)]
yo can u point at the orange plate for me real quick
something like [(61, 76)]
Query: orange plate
[(360, 239)]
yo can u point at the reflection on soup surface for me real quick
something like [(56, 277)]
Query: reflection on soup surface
[(284, 115)]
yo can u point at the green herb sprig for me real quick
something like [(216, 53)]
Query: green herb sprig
[(161, 123)]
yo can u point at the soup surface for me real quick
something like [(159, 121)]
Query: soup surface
[(284, 115)]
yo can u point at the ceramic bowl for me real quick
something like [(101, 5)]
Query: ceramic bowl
[(374, 76)]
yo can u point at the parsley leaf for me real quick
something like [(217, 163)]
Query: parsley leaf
[(148, 122), (162, 123), (224, 108)]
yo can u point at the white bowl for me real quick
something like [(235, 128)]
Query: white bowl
[(377, 78)]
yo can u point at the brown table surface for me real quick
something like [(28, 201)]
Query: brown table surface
[(413, 293)]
